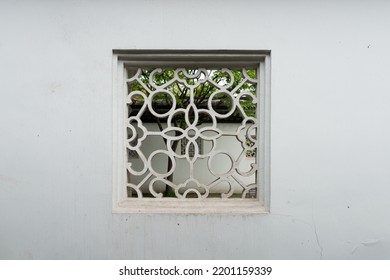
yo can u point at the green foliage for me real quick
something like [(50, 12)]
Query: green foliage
[(170, 194), (250, 153), (201, 93)]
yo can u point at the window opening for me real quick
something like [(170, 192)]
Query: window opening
[(187, 105), (191, 130)]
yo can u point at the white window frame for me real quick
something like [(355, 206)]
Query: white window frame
[(187, 58)]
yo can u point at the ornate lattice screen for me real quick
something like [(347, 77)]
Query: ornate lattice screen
[(188, 127)]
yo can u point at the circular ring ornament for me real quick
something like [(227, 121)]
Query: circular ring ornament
[(212, 110), (170, 111), (225, 174), (153, 171)]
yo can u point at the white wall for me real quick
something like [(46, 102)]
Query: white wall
[(330, 129)]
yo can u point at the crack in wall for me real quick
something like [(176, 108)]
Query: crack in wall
[(318, 240), (312, 225), (365, 243)]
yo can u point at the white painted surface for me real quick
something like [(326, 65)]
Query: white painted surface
[(330, 152)]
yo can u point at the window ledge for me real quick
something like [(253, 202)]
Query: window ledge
[(210, 206)]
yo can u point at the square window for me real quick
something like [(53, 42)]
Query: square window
[(191, 131)]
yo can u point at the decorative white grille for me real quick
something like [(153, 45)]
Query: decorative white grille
[(193, 101), (191, 131)]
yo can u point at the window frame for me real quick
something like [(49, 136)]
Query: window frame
[(187, 58)]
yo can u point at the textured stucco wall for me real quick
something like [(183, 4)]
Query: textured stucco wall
[(330, 154)]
